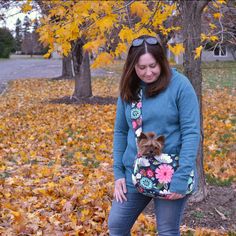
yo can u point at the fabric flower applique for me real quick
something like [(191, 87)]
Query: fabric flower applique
[(164, 158), (134, 124), (138, 176), (138, 131), (143, 162), (146, 183), (164, 173), (135, 113), (139, 105), (150, 173)]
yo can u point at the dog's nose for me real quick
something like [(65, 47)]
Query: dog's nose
[(151, 151)]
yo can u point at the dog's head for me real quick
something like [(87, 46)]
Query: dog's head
[(149, 144)]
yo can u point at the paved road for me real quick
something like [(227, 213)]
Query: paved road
[(22, 68), (11, 69)]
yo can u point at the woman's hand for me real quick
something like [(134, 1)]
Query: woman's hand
[(120, 190), (174, 196)]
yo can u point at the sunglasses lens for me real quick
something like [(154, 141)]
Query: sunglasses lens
[(151, 41), (137, 42)]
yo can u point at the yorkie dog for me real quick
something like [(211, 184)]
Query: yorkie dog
[(149, 144)]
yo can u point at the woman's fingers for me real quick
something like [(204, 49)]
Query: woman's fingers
[(123, 184), (120, 190)]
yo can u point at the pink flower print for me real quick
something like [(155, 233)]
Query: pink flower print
[(139, 105), (150, 173), (134, 124), (164, 173)]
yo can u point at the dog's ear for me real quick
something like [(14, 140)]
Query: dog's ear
[(161, 139), (142, 136)]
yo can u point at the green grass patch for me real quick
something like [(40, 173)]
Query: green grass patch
[(212, 180), (219, 74), (198, 214)]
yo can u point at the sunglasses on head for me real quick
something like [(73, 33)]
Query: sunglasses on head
[(149, 40)]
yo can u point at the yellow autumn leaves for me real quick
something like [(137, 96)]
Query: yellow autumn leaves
[(220, 137), (109, 24), (56, 159), (55, 162)]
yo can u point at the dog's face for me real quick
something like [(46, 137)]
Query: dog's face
[(150, 145)]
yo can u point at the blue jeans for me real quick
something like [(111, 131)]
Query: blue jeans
[(168, 214)]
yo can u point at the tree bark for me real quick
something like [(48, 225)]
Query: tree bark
[(67, 67), (191, 12), (83, 88)]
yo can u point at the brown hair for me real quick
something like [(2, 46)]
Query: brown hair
[(130, 82)]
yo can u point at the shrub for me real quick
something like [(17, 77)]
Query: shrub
[(6, 43)]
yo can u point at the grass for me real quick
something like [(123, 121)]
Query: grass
[(212, 180), (215, 74), (219, 74), (198, 214)]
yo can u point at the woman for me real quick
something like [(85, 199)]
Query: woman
[(170, 108)]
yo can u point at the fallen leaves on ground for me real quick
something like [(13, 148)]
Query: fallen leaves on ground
[(56, 160), (220, 133)]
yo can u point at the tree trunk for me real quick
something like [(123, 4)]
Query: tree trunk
[(191, 15), (67, 67), (83, 86)]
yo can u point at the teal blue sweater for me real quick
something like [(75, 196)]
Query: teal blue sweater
[(173, 113)]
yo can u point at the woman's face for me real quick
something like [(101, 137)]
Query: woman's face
[(147, 68)]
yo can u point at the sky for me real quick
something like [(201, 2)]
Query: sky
[(12, 15)]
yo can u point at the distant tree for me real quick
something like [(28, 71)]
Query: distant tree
[(38, 47), (27, 41), (18, 35), (27, 45), (7, 43), (26, 25), (30, 43)]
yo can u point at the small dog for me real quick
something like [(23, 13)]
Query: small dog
[(149, 144)]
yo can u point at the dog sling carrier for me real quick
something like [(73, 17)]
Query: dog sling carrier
[(152, 174)]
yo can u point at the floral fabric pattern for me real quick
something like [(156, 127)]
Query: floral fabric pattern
[(164, 173), (152, 174)]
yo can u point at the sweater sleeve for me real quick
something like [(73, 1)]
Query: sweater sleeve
[(120, 140), (189, 119)]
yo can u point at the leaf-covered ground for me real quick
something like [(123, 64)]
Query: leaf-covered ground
[(56, 159)]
